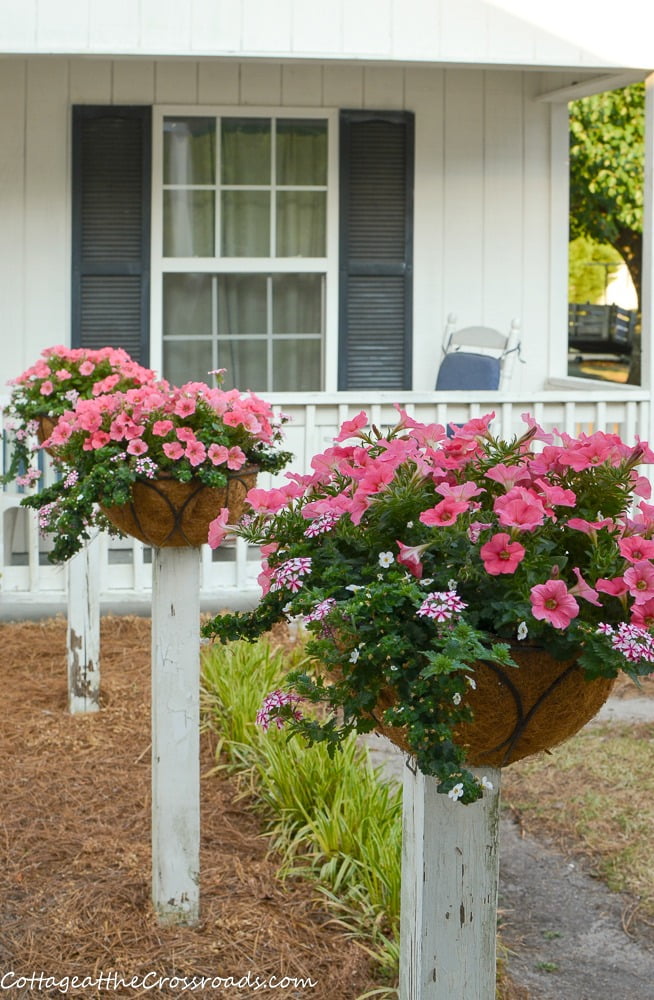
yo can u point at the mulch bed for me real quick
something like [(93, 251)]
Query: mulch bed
[(75, 845)]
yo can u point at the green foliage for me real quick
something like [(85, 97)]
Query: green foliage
[(587, 275), (332, 820), (606, 171)]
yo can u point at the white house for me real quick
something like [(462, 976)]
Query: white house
[(301, 192)]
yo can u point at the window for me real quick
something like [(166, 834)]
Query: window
[(276, 247), (244, 258)]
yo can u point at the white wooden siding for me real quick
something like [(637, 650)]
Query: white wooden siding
[(490, 240), (507, 32)]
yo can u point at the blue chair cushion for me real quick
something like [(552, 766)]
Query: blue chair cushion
[(465, 370)]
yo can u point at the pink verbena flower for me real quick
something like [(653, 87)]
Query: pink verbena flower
[(553, 602), (441, 605), (289, 575), (272, 703), (634, 642), (322, 524), (320, 610)]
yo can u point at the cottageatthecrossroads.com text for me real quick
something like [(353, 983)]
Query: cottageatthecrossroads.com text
[(112, 981)]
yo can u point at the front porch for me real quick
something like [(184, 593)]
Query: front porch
[(230, 572)]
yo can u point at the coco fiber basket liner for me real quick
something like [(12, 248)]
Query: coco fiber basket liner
[(519, 712), (165, 512)]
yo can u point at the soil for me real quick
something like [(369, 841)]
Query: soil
[(75, 856), (75, 863)]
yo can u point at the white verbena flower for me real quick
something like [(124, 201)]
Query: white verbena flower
[(523, 631), (354, 655), (485, 783), (456, 792), (385, 559), (456, 698)]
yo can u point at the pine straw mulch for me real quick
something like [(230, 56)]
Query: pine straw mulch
[(75, 844)]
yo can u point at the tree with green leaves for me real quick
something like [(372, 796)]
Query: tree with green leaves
[(607, 151)]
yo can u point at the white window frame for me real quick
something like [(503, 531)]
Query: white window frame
[(160, 265)]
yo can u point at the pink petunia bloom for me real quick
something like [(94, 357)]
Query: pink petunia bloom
[(47, 388), (236, 458), (643, 614), (501, 555), (173, 450), (583, 589), (218, 528), (184, 407), (520, 508), (217, 454), (552, 602), (507, 475), (60, 433), (459, 491), (635, 549), (410, 557), (588, 527), (444, 513), (137, 446), (162, 427), (556, 496), (640, 581), (185, 434), (351, 428), (63, 374), (615, 587), (195, 452)]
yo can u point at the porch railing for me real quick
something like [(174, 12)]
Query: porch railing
[(231, 571)]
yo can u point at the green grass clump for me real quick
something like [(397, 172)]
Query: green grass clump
[(331, 820)]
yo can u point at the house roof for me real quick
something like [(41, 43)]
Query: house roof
[(519, 33)]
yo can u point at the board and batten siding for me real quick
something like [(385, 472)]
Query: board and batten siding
[(490, 223), (474, 31)]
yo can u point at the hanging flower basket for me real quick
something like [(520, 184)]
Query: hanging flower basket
[(165, 512), (45, 427), (520, 712)]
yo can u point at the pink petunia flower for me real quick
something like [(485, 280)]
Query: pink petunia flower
[(501, 555), (410, 557), (520, 508), (444, 513), (137, 446), (640, 581), (635, 549), (218, 528), (552, 602), (173, 450)]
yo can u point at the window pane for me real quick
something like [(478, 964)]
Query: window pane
[(188, 224), (246, 224), (246, 364), (189, 151), (301, 152), (187, 304), (296, 365), (301, 224), (297, 303), (186, 360), (242, 307), (245, 151)]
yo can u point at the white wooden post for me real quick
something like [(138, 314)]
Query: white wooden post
[(176, 734), (83, 630), (450, 869)]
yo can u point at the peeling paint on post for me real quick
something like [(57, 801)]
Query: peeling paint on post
[(450, 870), (176, 734), (83, 630)]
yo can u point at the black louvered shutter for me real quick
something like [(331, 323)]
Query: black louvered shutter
[(376, 249), (111, 228)]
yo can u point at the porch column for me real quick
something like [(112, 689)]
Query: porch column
[(647, 290)]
